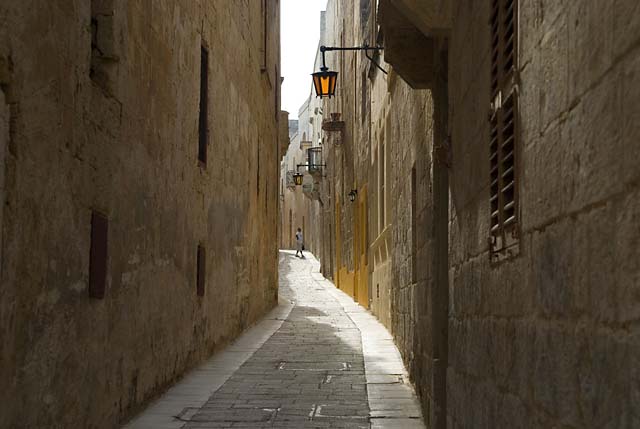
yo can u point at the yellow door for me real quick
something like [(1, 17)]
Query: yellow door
[(338, 244), (362, 294)]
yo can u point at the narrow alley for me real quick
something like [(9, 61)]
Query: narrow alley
[(306, 365), (463, 177)]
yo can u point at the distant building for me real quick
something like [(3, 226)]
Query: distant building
[(299, 202), (293, 127)]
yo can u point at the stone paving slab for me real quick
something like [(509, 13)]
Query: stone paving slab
[(392, 401), (306, 365), (193, 391)]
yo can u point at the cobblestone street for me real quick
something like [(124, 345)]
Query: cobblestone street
[(305, 365)]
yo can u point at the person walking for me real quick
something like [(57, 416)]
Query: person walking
[(299, 243)]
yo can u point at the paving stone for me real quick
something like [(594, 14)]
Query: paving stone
[(311, 372)]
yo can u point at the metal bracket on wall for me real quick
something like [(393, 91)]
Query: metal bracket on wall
[(364, 48)]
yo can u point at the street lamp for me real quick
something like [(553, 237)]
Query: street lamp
[(325, 80), (297, 176), (352, 195)]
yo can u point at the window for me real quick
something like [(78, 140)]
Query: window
[(503, 126), (203, 126), (276, 95), (266, 200), (201, 266), (364, 96), (264, 35), (98, 255)]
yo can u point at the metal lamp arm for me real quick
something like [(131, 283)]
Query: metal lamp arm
[(309, 165), (364, 48)]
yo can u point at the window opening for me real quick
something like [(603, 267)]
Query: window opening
[(203, 126), (201, 270), (98, 255), (503, 131)]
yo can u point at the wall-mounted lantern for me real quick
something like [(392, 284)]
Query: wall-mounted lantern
[(313, 168), (352, 195), (325, 80)]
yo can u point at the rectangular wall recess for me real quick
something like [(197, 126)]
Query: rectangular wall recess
[(201, 270), (203, 125), (98, 255)]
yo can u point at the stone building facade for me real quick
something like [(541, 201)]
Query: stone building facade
[(139, 151), (496, 225), (293, 213), (301, 204), (555, 321), (377, 147)]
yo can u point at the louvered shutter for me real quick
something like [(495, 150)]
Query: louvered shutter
[(503, 131)]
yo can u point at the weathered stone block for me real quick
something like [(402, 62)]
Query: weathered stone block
[(557, 293), (625, 26), (595, 146), (554, 72), (603, 372), (547, 158), (627, 119), (627, 262), (554, 385), (591, 35)]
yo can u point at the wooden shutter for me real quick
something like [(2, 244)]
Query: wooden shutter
[(503, 130)]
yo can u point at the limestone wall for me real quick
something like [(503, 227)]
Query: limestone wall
[(545, 337), (384, 153), (549, 338), (104, 116), (294, 215)]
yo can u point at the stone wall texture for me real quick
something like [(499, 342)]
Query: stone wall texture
[(385, 154), (381, 114), (99, 111), (548, 337)]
